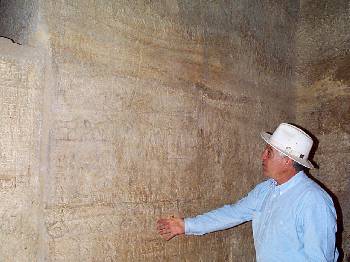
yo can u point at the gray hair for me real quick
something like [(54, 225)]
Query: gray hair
[(298, 167)]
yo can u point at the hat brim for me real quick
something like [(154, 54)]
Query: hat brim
[(303, 162)]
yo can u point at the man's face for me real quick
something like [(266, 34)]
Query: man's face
[(272, 162)]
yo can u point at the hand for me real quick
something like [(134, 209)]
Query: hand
[(170, 227)]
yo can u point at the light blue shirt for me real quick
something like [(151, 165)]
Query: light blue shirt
[(295, 221)]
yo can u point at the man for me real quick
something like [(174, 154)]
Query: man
[(293, 218)]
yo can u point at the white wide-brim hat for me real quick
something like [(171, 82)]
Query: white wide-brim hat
[(292, 142)]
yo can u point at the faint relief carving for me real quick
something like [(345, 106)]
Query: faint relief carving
[(57, 229)]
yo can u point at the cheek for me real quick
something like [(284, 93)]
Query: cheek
[(272, 165)]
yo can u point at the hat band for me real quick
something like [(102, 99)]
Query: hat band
[(289, 150)]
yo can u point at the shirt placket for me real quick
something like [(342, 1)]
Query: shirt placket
[(268, 215)]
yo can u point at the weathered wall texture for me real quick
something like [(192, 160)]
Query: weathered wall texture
[(323, 97), (144, 109), (20, 100)]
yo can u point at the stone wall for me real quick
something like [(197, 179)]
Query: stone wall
[(21, 106), (143, 109), (323, 98)]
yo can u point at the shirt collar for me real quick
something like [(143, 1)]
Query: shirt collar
[(290, 183)]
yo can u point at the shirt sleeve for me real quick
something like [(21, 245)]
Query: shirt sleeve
[(319, 227), (226, 216)]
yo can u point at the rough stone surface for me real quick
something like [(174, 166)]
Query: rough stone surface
[(20, 100), (119, 112), (323, 99), (156, 109)]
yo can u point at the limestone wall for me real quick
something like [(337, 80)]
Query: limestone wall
[(145, 109), (21, 106), (323, 98)]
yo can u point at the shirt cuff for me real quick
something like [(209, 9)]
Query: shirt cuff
[(187, 226)]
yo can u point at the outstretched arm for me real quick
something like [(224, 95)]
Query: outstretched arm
[(222, 218), (218, 219)]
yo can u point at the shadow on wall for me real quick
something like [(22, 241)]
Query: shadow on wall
[(18, 19)]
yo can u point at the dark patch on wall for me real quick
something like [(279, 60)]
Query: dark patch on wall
[(336, 67), (258, 26), (17, 19), (334, 113), (315, 11), (342, 72)]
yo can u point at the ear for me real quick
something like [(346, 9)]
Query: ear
[(288, 161)]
